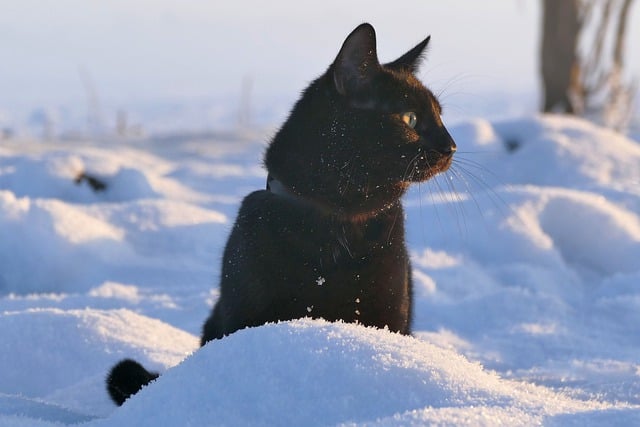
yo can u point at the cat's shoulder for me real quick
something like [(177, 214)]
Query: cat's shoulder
[(263, 205), (256, 201)]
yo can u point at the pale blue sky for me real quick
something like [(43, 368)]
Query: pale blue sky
[(141, 50)]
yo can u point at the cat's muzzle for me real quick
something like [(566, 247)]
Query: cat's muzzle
[(432, 162)]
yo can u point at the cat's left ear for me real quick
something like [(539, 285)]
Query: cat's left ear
[(411, 60), (357, 62)]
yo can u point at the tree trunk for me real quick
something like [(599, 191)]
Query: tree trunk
[(582, 60), (559, 62)]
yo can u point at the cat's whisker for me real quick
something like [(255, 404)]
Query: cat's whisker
[(456, 174), (446, 197), (481, 182), (444, 94), (458, 202), (344, 242), (465, 163), (469, 191), (434, 204), (410, 170), (454, 80), (351, 165), (475, 180), (432, 194), (474, 164)]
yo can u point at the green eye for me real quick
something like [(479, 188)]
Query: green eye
[(410, 119)]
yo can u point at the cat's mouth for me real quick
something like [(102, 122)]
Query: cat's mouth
[(430, 163)]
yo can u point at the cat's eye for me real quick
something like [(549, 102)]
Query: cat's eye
[(410, 119)]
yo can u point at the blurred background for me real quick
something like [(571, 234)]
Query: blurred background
[(133, 68)]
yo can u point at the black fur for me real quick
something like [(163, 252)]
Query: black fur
[(327, 240), (126, 379)]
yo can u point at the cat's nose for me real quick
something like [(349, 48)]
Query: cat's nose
[(449, 146), (452, 148)]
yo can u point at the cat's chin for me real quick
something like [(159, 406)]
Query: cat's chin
[(431, 167)]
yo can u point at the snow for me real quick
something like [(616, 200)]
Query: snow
[(526, 269)]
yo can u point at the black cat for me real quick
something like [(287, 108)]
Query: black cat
[(326, 238)]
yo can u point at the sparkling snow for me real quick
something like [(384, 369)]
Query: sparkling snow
[(526, 260)]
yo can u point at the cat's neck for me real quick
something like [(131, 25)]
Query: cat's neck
[(278, 188)]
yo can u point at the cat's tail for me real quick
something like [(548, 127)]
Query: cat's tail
[(126, 379)]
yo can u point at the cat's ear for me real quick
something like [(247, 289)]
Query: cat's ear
[(357, 62), (411, 60)]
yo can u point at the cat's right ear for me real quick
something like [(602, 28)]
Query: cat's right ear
[(410, 61), (357, 62)]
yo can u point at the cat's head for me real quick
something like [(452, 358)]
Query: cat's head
[(361, 132)]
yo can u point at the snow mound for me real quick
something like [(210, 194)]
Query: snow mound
[(66, 236), (13, 410), (316, 373), (54, 245), (553, 151), (592, 232), (55, 175), (65, 354)]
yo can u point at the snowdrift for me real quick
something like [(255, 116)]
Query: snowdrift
[(314, 373), (527, 289)]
